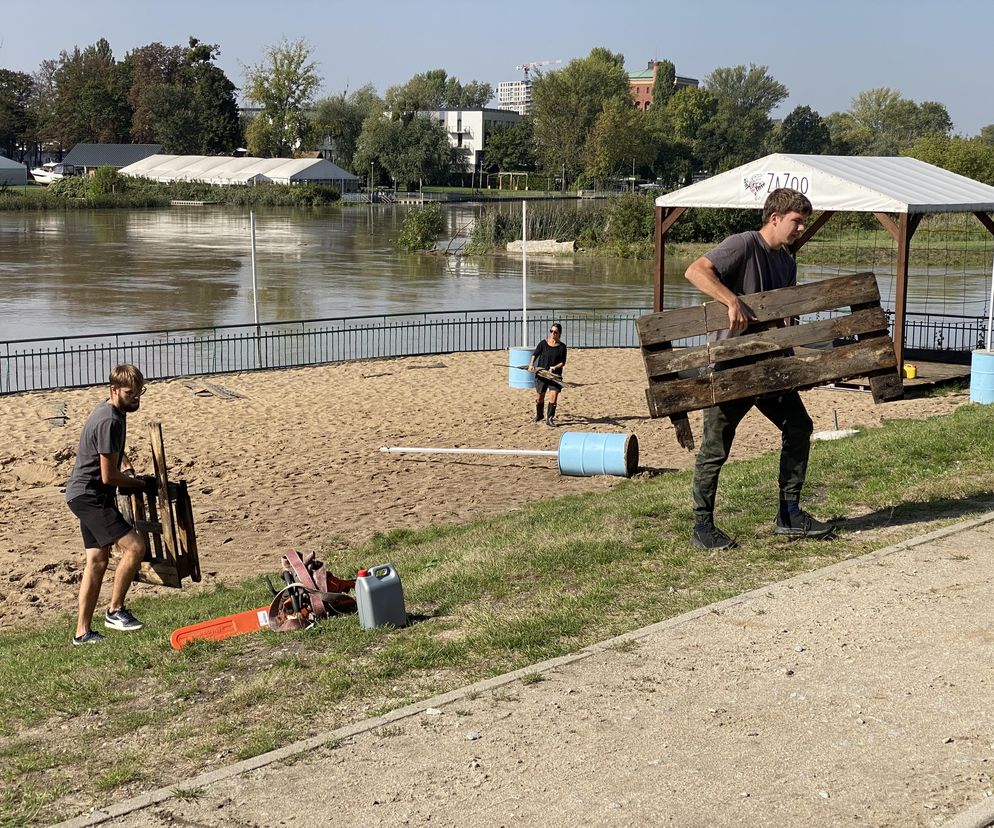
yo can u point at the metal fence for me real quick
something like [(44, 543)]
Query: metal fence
[(77, 361)]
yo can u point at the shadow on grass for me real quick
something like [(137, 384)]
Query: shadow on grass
[(908, 514)]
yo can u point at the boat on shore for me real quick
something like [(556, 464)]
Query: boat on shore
[(52, 171)]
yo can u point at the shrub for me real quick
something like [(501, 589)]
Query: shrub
[(421, 228)]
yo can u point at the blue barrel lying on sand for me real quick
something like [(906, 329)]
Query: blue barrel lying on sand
[(580, 454), (982, 377), (519, 377)]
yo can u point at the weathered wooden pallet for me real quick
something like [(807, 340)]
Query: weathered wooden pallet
[(165, 521), (688, 379)]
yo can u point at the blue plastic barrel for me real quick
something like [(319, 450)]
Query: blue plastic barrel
[(520, 377), (982, 377), (583, 454)]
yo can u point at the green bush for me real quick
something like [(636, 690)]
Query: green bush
[(421, 228), (631, 217), (107, 180)]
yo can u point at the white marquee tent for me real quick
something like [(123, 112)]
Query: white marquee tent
[(12, 172), (885, 186), (246, 170)]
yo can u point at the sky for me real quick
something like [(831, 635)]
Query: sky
[(825, 53)]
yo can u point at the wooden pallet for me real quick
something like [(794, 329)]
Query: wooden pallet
[(165, 521), (688, 379)]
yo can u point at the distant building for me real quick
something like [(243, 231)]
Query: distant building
[(225, 171), (515, 96), (641, 83), (87, 157), (468, 128)]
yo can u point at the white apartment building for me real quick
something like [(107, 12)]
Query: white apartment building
[(468, 128), (515, 96)]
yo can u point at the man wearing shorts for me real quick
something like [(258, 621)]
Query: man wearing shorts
[(101, 466)]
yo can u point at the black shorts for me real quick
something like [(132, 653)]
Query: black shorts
[(100, 521), (542, 385)]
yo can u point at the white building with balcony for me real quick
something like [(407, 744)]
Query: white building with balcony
[(515, 96), (468, 129)]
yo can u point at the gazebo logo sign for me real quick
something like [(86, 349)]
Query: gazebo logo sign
[(763, 183)]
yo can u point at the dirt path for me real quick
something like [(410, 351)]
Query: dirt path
[(855, 695)]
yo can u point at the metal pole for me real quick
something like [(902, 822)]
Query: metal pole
[(426, 450), (990, 315), (524, 273)]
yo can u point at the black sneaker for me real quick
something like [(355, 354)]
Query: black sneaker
[(801, 525), (89, 637), (709, 536), (122, 620)]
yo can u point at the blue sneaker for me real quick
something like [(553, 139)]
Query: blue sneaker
[(89, 637), (122, 620)]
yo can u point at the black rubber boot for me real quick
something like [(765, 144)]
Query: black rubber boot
[(550, 420), (539, 412)]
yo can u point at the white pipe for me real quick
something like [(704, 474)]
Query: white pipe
[(524, 273), (523, 452), (990, 315)]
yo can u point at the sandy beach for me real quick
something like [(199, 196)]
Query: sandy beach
[(293, 461)]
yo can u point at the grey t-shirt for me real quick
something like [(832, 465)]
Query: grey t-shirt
[(104, 432), (745, 263)]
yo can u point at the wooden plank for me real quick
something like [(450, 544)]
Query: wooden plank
[(159, 573), (770, 376), (660, 363), (155, 550), (830, 294), (162, 480), (187, 533)]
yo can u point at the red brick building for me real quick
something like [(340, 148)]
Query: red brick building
[(642, 82)]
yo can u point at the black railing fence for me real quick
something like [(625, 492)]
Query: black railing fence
[(73, 362), (77, 361)]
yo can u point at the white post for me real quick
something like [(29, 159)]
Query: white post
[(524, 273), (255, 296), (990, 315), (426, 450)]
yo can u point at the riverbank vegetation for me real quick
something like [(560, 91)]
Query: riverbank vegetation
[(108, 189), (624, 226), (86, 728)]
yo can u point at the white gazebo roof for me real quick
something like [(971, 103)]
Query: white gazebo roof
[(865, 184)]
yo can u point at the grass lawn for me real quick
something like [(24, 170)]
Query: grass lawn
[(87, 726)]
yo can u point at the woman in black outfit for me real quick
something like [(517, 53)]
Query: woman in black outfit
[(549, 354)]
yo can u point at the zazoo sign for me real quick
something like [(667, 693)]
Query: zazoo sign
[(761, 184)]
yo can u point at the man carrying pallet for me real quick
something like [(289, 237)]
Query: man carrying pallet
[(749, 263), (101, 466)]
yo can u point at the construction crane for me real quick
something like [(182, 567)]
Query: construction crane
[(527, 67)]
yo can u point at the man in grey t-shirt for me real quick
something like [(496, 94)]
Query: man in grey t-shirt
[(742, 264), (101, 466)]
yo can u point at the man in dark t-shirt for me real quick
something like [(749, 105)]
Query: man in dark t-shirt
[(91, 493), (742, 264)]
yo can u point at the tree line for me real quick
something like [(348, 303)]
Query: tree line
[(582, 129)]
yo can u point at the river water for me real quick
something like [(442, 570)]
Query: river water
[(83, 272)]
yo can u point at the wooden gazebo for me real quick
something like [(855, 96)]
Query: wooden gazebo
[(898, 191)]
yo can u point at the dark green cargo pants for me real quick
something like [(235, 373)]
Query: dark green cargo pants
[(786, 412)]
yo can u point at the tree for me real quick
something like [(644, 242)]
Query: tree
[(987, 134), (566, 103), (663, 86), (284, 86), (803, 131), (971, 157), (409, 152), (511, 147), (148, 68), (694, 116), (90, 98), (339, 119), (618, 141), (16, 119), (885, 123), (745, 96), (435, 90)]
